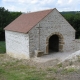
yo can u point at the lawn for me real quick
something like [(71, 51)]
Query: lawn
[(2, 47), (14, 69)]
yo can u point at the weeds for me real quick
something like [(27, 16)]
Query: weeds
[(78, 58), (59, 65), (52, 70), (71, 63), (68, 70)]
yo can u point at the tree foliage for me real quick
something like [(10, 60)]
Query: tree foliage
[(74, 19), (5, 18), (3, 21)]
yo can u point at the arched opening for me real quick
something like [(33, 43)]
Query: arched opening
[(54, 43)]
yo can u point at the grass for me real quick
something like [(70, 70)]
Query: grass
[(20, 72), (2, 47), (52, 70), (69, 70), (70, 63), (78, 58), (59, 65), (13, 69)]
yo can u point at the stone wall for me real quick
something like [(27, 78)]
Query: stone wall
[(52, 24), (17, 44), (77, 44)]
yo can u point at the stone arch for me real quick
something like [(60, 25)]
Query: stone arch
[(61, 42)]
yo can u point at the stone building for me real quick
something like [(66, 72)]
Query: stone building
[(42, 32)]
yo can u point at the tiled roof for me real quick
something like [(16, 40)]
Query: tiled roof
[(26, 22)]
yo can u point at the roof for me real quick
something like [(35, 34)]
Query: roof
[(25, 22)]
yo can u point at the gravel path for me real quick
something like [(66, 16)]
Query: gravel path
[(53, 56)]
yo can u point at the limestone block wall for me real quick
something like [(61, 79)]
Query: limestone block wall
[(55, 23), (34, 40), (52, 24), (17, 44), (77, 44)]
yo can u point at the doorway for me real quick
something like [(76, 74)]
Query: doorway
[(54, 43)]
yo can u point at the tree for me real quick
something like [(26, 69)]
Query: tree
[(3, 21), (74, 19), (5, 18)]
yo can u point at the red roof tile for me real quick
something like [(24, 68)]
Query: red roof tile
[(26, 22)]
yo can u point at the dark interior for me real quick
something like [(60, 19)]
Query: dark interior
[(54, 43)]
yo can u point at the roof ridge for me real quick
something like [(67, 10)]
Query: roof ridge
[(39, 11)]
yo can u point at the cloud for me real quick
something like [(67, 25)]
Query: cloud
[(70, 1), (21, 1), (68, 5), (34, 5), (5, 1)]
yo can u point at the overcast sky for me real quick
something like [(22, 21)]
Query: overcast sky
[(36, 5)]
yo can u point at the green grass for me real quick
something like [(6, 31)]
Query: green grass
[(20, 72), (69, 70), (52, 70), (2, 47)]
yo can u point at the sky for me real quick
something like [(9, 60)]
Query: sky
[(36, 5)]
